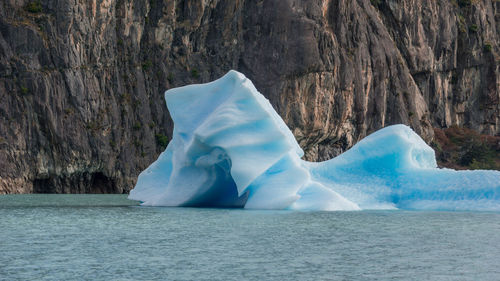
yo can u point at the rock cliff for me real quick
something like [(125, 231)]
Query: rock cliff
[(82, 81)]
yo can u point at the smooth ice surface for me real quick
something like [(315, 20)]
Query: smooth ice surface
[(231, 149)]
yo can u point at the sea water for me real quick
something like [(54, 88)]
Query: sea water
[(107, 237)]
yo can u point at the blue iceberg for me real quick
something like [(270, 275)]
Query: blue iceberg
[(231, 149)]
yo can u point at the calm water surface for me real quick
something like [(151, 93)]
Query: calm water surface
[(107, 237)]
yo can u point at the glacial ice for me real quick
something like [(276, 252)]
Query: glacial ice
[(231, 149)]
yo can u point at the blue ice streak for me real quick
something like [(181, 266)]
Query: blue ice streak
[(231, 149)]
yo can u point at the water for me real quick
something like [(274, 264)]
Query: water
[(107, 237)]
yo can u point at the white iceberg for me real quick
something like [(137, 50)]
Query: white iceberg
[(231, 149)]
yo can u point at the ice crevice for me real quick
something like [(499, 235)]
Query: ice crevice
[(231, 149)]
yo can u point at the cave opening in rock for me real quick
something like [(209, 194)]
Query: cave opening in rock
[(101, 184), (43, 185)]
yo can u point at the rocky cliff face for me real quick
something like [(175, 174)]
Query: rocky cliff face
[(82, 82)]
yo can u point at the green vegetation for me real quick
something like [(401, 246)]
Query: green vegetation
[(126, 98), (488, 47), (137, 143), (34, 7), (147, 65), (462, 27), (161, 140), (135, 104), (93, 126), (376, 3), (410, 114), (24, 90), (137, 126), (194, 73), (152, 125), (473, 28), (112, 143), (68, 111), (170, 78), (478, 155), (464, 3), (462, 148)]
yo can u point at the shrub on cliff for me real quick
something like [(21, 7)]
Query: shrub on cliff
[(462, 148), (161, 140), (34, 7)]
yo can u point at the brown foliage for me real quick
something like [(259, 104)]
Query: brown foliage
[(463, 148)]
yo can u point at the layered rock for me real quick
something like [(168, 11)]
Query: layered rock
[(82, 82)]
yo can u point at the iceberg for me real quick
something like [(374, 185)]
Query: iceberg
[(230, 149)]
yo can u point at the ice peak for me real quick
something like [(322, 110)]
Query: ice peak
[(231, 149)]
